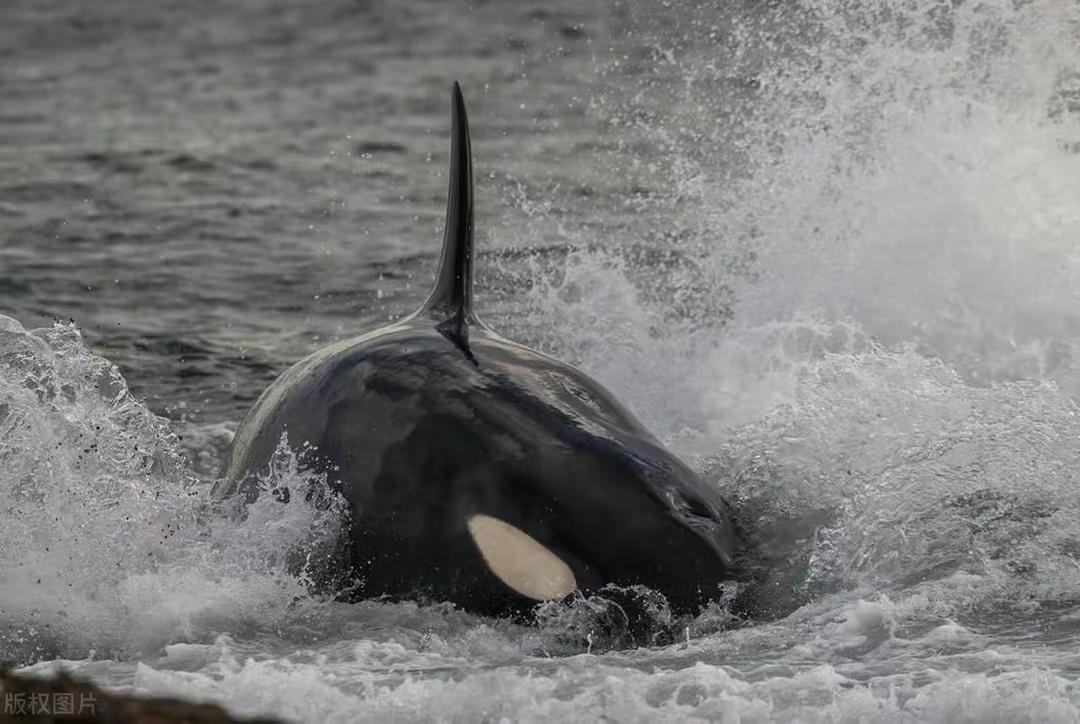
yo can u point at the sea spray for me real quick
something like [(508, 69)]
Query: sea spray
[(108, 543)]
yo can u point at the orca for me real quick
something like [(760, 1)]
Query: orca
[(481, 472)]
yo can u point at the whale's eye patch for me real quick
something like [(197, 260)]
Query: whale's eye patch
[(519, 561)]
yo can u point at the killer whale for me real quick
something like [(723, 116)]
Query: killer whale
[(479, 471)]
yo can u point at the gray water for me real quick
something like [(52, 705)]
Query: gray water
[(828, 252)]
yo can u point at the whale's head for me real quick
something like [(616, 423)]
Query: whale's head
[(570, 492)]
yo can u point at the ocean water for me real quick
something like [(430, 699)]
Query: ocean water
[(828, 251)]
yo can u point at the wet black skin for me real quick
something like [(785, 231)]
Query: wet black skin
[(432, 420)]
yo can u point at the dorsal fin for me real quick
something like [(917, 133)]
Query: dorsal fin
[(450, 302)]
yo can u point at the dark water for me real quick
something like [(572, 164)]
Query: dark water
[(827, 252), (211, 189)]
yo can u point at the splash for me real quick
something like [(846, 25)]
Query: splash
[(108, 544), (921, 180), (902, 172)]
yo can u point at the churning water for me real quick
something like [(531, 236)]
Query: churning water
[(828, 251)]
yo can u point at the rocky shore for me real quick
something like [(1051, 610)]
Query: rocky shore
[(60, 698)]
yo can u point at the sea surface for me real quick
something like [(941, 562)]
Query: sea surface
[(828, 251)]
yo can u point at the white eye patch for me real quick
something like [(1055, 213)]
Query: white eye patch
[(519, 561)]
